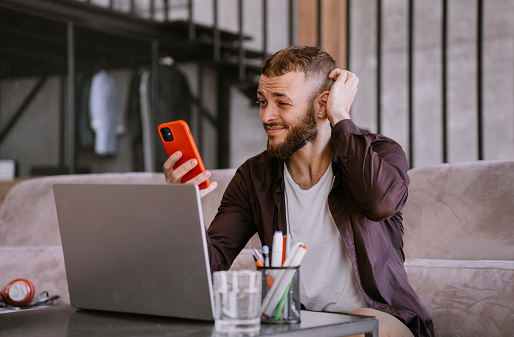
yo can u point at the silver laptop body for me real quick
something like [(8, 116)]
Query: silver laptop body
[(135, 248)]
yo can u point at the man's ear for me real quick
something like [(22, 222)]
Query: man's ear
[(322, 104)]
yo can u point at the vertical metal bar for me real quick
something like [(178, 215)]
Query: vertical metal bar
[(155, 115), (132, 7), (242, 65), (411, 82), (223, 121), (444, 79), (291, 22), (320, 30), (379, 65), (480, 107), (166, 10), (264, 29), (217, 41), (199, 108), (348, 33), (192, 32), (111, 4), (152, 10), (70, 35), (62, 119)]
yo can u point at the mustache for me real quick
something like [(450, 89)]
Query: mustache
[(272, 124)]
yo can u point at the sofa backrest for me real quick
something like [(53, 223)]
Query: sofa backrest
[(461, 211), (455, 211), (28, 216)]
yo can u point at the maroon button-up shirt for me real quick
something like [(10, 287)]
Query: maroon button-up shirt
[(366, 200)]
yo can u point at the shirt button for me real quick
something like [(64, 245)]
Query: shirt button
[(346, 160)]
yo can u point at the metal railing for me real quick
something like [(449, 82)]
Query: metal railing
[(444, 75)]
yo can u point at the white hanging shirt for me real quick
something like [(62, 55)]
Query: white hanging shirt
[(327, 279), (105, 113)]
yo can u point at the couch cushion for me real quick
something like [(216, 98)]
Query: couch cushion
[(465, 298), (461, 211)]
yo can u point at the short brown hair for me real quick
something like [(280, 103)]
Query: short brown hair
[(313, 61)]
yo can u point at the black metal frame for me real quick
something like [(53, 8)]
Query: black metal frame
[(379, 65), (158, 35), (410, 72), (480, 66), (444, 79), (444, 74)]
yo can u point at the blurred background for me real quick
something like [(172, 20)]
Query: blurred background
[(84, 84)]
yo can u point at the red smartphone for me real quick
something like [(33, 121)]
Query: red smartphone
[(176, 136)]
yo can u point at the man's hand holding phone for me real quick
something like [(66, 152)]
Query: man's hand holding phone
[(174, 176), (184, 164)]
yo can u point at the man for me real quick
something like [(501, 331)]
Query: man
[(337, 189)]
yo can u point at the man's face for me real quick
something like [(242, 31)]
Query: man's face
[(287, 113)]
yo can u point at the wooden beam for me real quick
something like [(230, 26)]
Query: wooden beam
[(307, 22), (334, 28)]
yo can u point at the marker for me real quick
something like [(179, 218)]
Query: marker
[(296, 256), (280, 285), (265, 254), (276, 253), (259, 256), (258, 262)]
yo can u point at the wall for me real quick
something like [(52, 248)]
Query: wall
[(246, 133), (498, 72)]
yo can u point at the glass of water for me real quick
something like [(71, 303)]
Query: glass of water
[(237, 296)]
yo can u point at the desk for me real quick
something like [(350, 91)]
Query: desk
[(65, 321)]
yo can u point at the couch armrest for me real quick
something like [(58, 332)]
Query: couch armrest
[(42, 265)]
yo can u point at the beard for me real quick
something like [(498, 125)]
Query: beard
[(299, 135)]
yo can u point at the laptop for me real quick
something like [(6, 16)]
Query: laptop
[(135, 248)]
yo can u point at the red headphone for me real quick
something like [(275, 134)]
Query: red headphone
[(18, 293)]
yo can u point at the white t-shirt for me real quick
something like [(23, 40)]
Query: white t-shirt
[(327, 279)]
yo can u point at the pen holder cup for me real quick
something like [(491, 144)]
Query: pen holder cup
[(280, 295)]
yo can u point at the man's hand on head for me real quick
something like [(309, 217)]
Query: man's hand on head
[(341, 96), (174, 176)]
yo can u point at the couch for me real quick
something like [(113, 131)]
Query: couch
[(459, 240)]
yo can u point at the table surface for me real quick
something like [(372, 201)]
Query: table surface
[(66, 321)]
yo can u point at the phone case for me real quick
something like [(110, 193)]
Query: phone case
[(182, 140)]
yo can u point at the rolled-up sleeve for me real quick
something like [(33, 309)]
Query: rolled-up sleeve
[(375, 167)]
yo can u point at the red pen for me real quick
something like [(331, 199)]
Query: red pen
[(284, 243)]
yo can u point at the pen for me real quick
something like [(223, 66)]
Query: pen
[(258, 262), (259, 256), (284, 305), (276, 251), (280, 285), (265, 254), (288, 244), (284, 243)]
